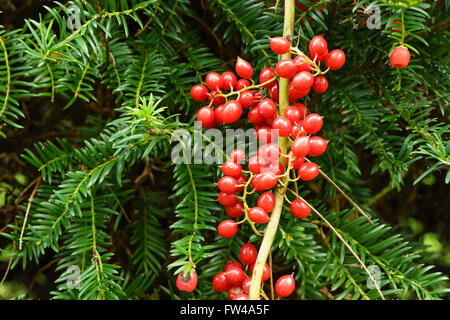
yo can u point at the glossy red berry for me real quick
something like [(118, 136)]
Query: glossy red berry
[(274, 167), (246, 283), (227, 199), (312, 123), (187, 281), (266, 272), (317, 146), (232, 169), (302, 64), (235, 275), (233, 263), (243, 68), (255, 117), (295, 94), (308, 171), (237, 155), (300, 147), (273, 92), (269, 152), (293, 114), (206, 116), (266, 201), (199, 92), (283, 125), (236, 210), (300, 209), (220, 282), (233, 291), (400, 57), (213, 81), (248, 254), (241, 181), (232, 111), (227, 228), (264, 181), (267, 108), (302, 108), (216, 100), (228, 80), (240, 296), (320, 84), (317, 47), (280, 45), (227, 184), (242, 83), (335, 59), (302, 81), (246, 97), (297, 131), (258, 215), (285, 285), (286, 68), (265, 135), (265, 75), (255, 164)]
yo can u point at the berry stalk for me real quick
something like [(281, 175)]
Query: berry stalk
[(272, 226)]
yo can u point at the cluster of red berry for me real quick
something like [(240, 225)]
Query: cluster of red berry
[(236, 283)]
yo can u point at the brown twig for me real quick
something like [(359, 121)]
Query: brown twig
[(30, 201)]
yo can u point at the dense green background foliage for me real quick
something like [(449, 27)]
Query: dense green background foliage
[(92, 110)]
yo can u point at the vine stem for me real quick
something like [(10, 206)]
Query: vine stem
[(272, 226)]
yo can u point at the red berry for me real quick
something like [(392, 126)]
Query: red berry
[(217, 101), (265, 135), (187, 281), (240, 296), (233, 263), (317, 47), (302, 81), (233, 291), (266, 201), (241, 181), (293, 114), (232, 169), (399, 23), (301, 64), (317, 146), (323, 56), (236, 210), (258, 215), (269, 152), (227, 184), (232, 111), (199, 92), (265, 75), (227, 199), (248, 254), (283, 125), (300, 209), (246, 284), (237, 155), (297, 131), (296, 162), (213, 81), (312, 123), (280, 45), (228, 80), (302, 108), (245, 98), (220, 282), (227, 228), (267, 108), (400, 57), (320, 85), (273, 92), (243, 68), (235, 275), (300, 147), (266, 272), (308, 171), (242, 83), (285, 285), (206, 116), (335, 59), (286, 68), (294, 94), (274, 167), (255, 117), (255, 164), (264, 181)]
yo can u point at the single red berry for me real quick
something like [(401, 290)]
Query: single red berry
[(335, 59), (240, 296), (187, 281), (269, 152), (302, 108), (397, 22), (232, 111), (218, 114), (280, 45), (283, 125), (317, 146), (199, 92), (300, 209), (317, 47), (213, 81), (264, 181), (266, 272), (246, 284), (243, 68), (237, 155), (220, 282), (227, 228), (323, 56), (232, 169), (286, 68), (267, 108), (245, 98), (302, 81), (320, 85), (206, 116), (227, 184), (233, 291), (227, 199), (233, 263), (235, 275), (241, 181), (242, 83), (266, 201), (265, 75), (265, 135), (308, 171), (295, 94), (300, 147), (285, 285), (248, 254), (293, 114), (236, 210), (297, 131), (400, 57), (296, 162), (302, 64), (255, 164), (255, 117), (312, 123), (216, 101), (228, 80), (258, 215), (273, 92)]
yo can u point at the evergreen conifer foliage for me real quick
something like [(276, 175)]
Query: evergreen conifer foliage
[(129, 235)]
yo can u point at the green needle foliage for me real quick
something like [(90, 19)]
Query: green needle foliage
[(148, 54)]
